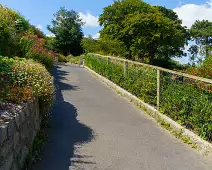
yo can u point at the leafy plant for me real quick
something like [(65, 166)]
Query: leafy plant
[(34, 48), (75, 60), (62, 58), (25, 79), (188, 104)]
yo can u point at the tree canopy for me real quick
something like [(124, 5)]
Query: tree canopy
[(201, 33), (146, 31), (66, 26)]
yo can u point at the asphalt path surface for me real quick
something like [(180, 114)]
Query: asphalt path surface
[(93, 128)]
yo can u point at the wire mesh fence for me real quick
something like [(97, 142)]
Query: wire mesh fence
[(185, 98)]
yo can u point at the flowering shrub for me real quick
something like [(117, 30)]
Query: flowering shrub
[(22, 80), (34, 48), (202, 71), (17, 95)]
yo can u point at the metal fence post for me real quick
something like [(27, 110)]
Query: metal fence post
[(125, 68), (159, 78)]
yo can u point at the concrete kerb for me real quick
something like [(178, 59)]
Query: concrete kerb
[(180, 132)]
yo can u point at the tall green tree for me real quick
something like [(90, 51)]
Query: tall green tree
[(201, 33), (68, 32), (12, 26), (146, 31), (103, 46)]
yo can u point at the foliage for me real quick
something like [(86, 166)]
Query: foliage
[(19, 38), (201, 33), (203, 70), (18, 95), (50, 42), (185, 100), (62, 58), (12, 25), (34, 48), (168, 13), (37, 32), (189, 105), (146, 31), (68, 32), (104, 46), (167, 63), (75, 60), (22, 80), (161, 41)]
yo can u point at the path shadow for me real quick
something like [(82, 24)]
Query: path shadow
[(65, 132)]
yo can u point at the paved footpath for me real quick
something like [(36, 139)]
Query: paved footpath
[(93, 128)]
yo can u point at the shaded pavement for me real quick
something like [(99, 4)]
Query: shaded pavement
[(95, 129)]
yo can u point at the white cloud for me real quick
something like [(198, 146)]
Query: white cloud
[(50, 35), (189, 13), (96, 36), (39, 26), (89, 19)]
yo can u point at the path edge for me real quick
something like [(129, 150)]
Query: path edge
[(193, 140)]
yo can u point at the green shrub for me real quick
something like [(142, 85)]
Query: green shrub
[(12, 26), (188, 105), (140, 81), (62, 58), (29, 76), (75, 60)]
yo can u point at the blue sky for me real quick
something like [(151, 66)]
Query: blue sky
[(40, 12)]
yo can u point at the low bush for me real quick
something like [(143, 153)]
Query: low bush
[(62, 58), (189, 105), (75, 60), (22, 80)]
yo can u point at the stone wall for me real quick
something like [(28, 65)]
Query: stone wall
[(17, 136)]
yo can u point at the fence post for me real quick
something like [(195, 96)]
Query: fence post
[(108, 60), (159, 78), (83, 62), (125, 68)]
